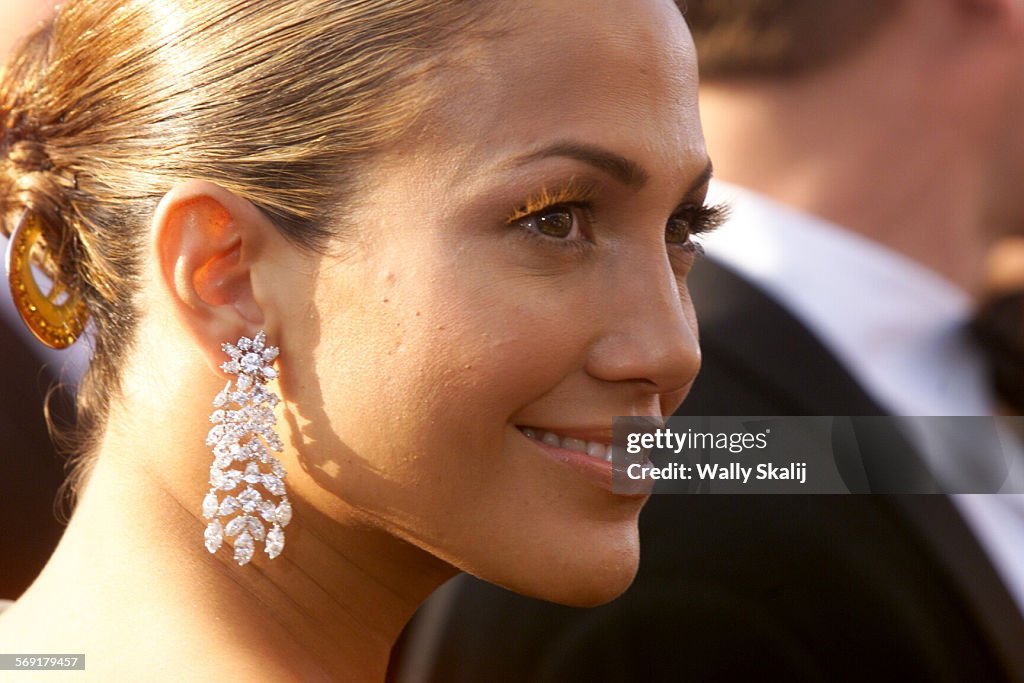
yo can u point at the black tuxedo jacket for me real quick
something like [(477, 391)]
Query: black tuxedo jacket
[(743, 588)]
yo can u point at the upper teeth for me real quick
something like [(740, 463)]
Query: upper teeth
[(594, 449)]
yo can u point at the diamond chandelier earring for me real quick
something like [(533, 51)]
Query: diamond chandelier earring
[(242, 438)]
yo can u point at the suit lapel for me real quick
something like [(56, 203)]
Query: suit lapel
[(747, 328), (744, 328)]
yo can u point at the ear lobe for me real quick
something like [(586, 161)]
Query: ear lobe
[(205, 238)]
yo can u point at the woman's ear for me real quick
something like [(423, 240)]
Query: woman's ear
[(207, 241)]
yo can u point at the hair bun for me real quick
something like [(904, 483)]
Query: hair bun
[(28, 156), (35, 210), (31, 179), (29, 182), (28, 177)]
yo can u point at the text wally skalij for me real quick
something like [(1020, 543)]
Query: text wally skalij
[(733, 471)]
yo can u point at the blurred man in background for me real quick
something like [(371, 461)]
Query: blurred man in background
[(872, 150)]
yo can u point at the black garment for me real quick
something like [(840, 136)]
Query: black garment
[(30, 469), (741, 588), (999, 327)]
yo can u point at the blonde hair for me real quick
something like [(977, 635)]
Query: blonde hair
[(116, 101)]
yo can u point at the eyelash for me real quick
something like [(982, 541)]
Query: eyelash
[(577, 197), (704, 219)]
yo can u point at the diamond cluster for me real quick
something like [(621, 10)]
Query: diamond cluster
[(244, 472)]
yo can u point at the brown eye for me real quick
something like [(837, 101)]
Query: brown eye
[(677, 231), (557, 222)]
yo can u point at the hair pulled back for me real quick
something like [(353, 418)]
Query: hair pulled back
[(115, 101)]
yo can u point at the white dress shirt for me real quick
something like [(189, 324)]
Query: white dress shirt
[(895, 325)]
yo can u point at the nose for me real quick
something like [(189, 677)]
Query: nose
[(650, 334)]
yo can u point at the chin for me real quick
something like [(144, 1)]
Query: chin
[(592, 594), (589, 577)]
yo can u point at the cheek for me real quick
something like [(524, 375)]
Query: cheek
[(463, 339), (421, 378), (418, 385)]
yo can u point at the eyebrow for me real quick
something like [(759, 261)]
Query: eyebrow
[(703, 179), (623, 169)]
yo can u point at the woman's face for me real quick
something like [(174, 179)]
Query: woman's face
[(518, 275)]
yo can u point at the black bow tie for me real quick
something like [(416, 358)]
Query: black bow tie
[(998, 327)]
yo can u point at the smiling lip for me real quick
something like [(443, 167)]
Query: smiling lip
[(587, 451)]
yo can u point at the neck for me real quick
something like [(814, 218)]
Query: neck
[(329, 608)]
